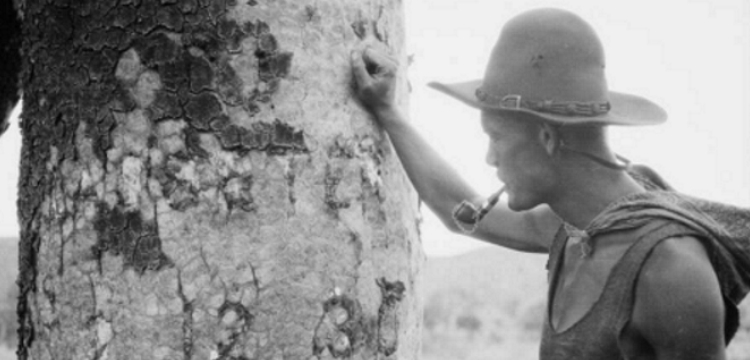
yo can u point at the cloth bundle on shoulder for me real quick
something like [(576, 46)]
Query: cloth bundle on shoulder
[(724, 230)]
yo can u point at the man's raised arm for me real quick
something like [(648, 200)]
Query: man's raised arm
[(437, 183)]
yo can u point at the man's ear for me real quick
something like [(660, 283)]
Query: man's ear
[(549, 137)]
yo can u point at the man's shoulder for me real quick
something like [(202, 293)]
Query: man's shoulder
[(675, 254), (678, 288), (675, 258), (678, 305), (678, 259)]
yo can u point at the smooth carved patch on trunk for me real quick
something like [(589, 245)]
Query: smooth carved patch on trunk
[(237, 193), (331, 181), (344, 330), (341, 329), (236, 320), (362, 28), (365, 149), (388, 324), (180, 193)]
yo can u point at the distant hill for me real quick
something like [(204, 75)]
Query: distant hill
[(493, 272), (8, 294), (489, 304), (8, 263), (485, 304)]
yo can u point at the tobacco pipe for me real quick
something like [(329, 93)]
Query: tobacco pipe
[(467, 213)]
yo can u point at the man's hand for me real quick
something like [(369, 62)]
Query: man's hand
[(375, 80)]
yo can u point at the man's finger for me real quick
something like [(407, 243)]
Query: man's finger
[(359, 69), (379, 60)]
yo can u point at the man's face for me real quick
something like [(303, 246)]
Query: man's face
[(517, 152)]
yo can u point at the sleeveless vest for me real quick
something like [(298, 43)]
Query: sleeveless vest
[(596, 335)]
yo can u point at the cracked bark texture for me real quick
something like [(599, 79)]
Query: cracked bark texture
[(197, 182)]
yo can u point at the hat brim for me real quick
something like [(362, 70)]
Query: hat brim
[(625, 109)]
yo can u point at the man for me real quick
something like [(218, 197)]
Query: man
[(634, 273)]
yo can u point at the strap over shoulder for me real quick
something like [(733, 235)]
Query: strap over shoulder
[(723, 229), (634, 260)]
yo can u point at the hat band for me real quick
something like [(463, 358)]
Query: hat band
[(567, 108)]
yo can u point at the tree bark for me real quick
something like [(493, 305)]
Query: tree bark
[(197, 182)]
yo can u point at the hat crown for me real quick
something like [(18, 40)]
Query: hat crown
[(547, 55)]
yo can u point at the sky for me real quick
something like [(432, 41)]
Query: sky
[(691, 57)]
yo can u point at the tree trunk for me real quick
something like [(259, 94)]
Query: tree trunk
[(198, 183)]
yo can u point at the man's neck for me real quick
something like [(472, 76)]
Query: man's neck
[(587, 193)]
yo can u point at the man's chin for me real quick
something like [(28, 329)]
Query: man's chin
[(513, 204), (518, 204)]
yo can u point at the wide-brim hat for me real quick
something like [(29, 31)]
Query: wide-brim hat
[(550, 63)]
